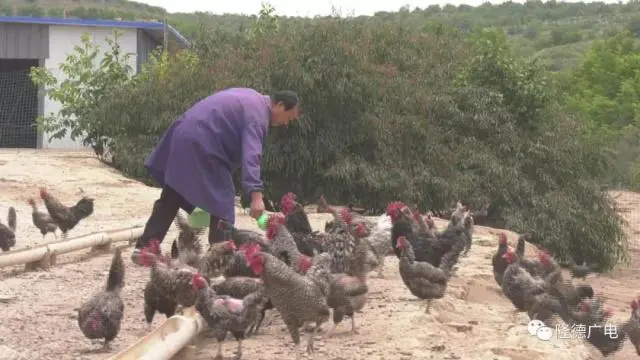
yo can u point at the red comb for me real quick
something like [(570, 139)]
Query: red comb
[(634, 305)]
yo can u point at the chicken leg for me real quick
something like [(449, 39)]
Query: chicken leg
[(219, 353), (353, 325), (428, 307), (239, 350)]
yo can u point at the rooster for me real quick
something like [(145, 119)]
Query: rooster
[(296, 219), (42, 221), (341, 244), (100, 317), (8, 232), (534, 267), (300, 299), (284, 246), (66, 217), (221, 258), (499, 263), (188, 249), (226, 314), (378, 239)]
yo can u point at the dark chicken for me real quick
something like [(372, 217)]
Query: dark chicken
[(42, 221), (226, 314), (424, 280), (296, 219), (558, 286), (188, 249), (499, 263), (581, 271), (100, 317), (347, 292), (240, 286), (532, 266), (172, 281), (242, 236), (66, 217), (219, 258), (528, 294), (8, 232), (300, 299), (425, 247)]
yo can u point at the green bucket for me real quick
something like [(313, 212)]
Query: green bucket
[(199, 218)]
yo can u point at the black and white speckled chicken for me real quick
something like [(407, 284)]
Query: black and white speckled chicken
[(240, 286), (188, 245), (8, 231), (341, 244), (284, 246)]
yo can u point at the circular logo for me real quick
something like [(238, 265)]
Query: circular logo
[(533, 326), (544, 333)]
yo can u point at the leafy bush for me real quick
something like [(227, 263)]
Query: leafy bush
[(392, 113)]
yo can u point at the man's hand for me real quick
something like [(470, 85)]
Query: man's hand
[(257, 205)]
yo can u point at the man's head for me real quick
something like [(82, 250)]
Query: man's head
[(285, 108)]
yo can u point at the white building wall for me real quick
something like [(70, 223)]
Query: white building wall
[(62, 40)]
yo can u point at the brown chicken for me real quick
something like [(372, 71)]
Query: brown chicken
[(66, 217), (300, 299), (347, 293), (284, 246), (240, 286), (499, 263), (42, 220), (8, 232), (226, 314), (100, 317), (424, 280), (172, 281)]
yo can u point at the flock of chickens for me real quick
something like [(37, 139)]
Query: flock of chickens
[(58, 216), (310, 277)]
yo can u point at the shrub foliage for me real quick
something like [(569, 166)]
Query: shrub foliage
[(389, 112)]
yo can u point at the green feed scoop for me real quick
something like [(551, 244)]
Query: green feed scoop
[(199, 218)]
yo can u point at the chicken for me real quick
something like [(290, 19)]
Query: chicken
[(240, 286), (558, 287), (424, 280), (608, 338), (379, 241), (154, 302), (189, 247), (581, 271), (425, 247), (341, 244), (356, 216), (532, 266), (66, 217), (8, 232), (218, 258), (299, 299), (42, 220), (172, 281), (226, 314), (296, 219), (347, 292), (283, 245), (519, 286), (241, 236), (499, 263), (100, 317)]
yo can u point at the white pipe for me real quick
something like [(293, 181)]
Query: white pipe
[(167, 340), (35, 254)]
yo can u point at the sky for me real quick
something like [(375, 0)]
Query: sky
[(303, 8)]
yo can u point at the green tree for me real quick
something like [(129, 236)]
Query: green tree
[(82, 88)]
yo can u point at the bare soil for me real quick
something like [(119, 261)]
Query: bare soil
[(39, 321)]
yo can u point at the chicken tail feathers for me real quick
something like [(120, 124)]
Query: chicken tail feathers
[(12, 219), (175, 253), (115, 279)]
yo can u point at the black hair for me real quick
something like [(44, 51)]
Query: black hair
[(288, 98)]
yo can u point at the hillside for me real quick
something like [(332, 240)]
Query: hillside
[(555, 32)]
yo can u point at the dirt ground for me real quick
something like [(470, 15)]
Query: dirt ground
[(40, 321)]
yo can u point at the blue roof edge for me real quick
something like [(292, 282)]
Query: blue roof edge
[(145, 25)]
